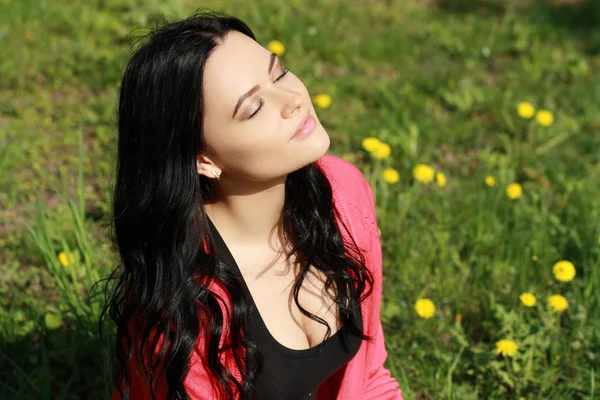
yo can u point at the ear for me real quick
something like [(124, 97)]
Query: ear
[(205, 166)]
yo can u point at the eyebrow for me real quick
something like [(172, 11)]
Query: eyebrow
[(255, 88)]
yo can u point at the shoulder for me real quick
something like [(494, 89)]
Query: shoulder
[(352, 192), (345, 176), (334, 164)]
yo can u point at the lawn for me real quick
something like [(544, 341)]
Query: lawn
[(476, 122)]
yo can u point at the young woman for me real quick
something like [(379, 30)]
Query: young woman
[(250, 260)]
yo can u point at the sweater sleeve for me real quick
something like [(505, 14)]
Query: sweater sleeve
[(380, 383), (197, 384)]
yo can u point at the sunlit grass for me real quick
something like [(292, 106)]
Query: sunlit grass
[(475, 123)]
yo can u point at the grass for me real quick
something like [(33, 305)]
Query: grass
[(439, 81)]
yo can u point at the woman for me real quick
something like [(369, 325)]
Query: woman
[(251, 262)]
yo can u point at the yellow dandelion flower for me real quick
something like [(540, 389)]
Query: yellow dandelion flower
[(558, 303), (544, 118), (490, 180), (322, 100), (440, 179), (525, 109), (507, 347), (382, 151), (514, 191), (65, 259), (564, 271), (425, 308), (458, 317), (423, 173), (528, 299), (276, 47), (534, 257), (390, 175), (370, 144)]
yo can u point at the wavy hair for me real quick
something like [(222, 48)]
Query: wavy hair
[(158, 295)]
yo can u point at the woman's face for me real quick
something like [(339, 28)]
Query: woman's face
[(256, 143)]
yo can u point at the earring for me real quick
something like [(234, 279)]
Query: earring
[(216, 174)]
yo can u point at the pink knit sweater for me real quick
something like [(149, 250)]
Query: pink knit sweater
[(364, 377)]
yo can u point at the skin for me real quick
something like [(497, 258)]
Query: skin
[(252, 158)]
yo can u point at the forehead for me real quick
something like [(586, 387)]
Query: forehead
[(233, 67)]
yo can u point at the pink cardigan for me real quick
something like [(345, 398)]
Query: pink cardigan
[(364, 377)]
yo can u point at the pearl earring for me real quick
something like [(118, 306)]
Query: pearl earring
[(216, 174)]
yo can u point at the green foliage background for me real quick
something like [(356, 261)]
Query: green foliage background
[(438, 80)]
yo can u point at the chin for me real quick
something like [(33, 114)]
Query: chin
[(319, 143), (313, 147)]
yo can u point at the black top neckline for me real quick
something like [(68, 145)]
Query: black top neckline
[(296, 353)]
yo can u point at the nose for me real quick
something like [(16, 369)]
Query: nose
[(292, 101)]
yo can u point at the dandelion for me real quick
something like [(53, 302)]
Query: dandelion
[(376, 147), (534, 257), (322, 100), (544, 118), (425, 308), (525, 109), (370, 144), (390, 175), (423, 173), (65, 259), (440, 179), (564, 271), (514, 191), (458, 318), (507, 347), (528, 299), (382, 151), (276, 47), (490, 180), (558, 303)]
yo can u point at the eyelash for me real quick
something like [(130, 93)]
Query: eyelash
[(285, 71)]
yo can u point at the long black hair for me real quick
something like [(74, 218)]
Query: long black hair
[(160, 290)]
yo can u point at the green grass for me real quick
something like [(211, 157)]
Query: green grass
[(438, 81)]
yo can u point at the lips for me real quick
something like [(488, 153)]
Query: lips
[(306, 125)]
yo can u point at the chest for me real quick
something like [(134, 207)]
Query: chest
[(270, 281)]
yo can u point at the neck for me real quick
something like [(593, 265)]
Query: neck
[(247, 213)]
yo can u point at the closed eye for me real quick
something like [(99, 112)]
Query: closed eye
[(262, 102), (285, 71)]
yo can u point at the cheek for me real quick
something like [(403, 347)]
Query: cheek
[(254, 149)]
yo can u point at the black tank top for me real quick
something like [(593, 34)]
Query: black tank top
[(291, 374)]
